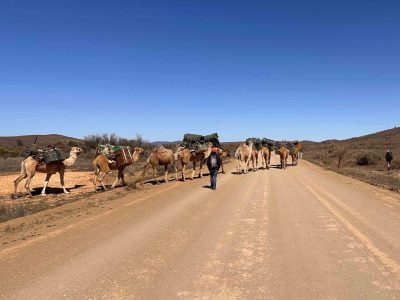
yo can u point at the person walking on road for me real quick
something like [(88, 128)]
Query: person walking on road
[(389, 158), (214, 163)]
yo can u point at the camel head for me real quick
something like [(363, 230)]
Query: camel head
[(179, 152), (137, 151), (76, 150)]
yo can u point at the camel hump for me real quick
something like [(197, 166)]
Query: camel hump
[(160, 149)]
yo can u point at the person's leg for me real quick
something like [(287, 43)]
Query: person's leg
[(215, 180), (213, 175)]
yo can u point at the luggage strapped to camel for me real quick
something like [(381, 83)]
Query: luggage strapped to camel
[(120, 154), (256, 143), (198, 143), (270, 144)]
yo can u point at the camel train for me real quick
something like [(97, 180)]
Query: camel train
[(246, 152), (159, 157)]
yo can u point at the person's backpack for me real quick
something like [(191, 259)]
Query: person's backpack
[(213, 161)]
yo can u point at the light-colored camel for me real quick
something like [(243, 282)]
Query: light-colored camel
[(160, 156), (265, 157), (30, 166), (254, 158), (186, 156), (243, 156), (102, 166), (283, 153)]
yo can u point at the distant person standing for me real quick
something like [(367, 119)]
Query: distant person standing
[(389, 158), (214, 163)]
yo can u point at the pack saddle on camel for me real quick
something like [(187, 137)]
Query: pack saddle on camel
[(30, 166), (186, 156), (160, 156), (243, 156), (102, 166)]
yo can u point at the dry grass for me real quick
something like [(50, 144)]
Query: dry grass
[(362, 157)]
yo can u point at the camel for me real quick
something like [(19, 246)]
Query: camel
[(102, 166), (283, 153), (223, 153), (243, 156), (254, 159), (294, 155), (187, 156), (30, 166), (160, 156), (299, 148), (265, 157)]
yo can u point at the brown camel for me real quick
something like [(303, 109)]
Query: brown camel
[(102, 166), (299, 148), (160, 156), (223, 153), (186, 156), (243, 156), (294, 155), (30, 166), (254, 159), (283, 153), (265, 158)]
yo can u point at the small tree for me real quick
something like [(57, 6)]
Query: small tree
[(139, 140), (340, 153)]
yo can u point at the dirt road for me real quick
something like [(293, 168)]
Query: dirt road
[(300, 233)]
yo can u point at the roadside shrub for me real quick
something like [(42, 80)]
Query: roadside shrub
[(395, 164), (367, 159)]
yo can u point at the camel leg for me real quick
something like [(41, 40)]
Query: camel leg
[(247, 166), (201, 169), (222, 166), (28, 184), (123, 179), (194, 169), (166, 174), (176, 172), (100, 179), (18, 180), (183, 172), (116, 180), (155, 174), (62, 182), (46, 182)]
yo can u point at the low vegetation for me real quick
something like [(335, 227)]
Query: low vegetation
[(362, 157)]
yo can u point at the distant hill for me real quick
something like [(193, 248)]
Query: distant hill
[(378, 141), (42, 140)]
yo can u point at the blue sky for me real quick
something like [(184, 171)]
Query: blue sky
[(280, 69)]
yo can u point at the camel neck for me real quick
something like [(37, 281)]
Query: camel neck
[(71, 160)]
